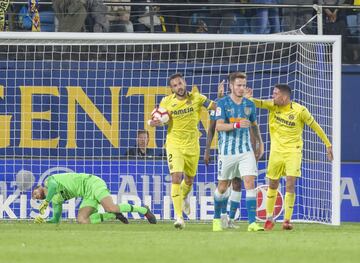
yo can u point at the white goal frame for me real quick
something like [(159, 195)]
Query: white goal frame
[(51, 38)]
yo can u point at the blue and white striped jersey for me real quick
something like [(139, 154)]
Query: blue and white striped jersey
[(236, 141)]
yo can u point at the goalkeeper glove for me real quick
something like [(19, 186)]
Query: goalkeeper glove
[(43, 207), (39, 220)]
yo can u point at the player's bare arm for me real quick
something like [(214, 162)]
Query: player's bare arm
[(259, 149), (222, 126), (209, 138), (330, 154), (155, 123)]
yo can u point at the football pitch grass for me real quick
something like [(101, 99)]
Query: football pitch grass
[(141, 242)]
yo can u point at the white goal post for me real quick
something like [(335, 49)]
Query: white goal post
[(75, 102)]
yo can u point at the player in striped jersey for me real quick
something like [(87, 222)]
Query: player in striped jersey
[(235, 115), (234, 192)]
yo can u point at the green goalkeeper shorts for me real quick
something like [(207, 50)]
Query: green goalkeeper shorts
[(95, 191)]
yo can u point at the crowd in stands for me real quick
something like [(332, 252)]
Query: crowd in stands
[(114, 16)]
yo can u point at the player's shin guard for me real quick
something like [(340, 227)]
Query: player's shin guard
[(185, 189), (289, 205), (126, 208), (251, 205), (177, 199), (98, 218), (270, 202), (234, 203)]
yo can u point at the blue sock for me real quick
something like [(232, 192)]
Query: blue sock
[(233, 207), (235, 198), (218, 204), (224, 207), (251, 205)]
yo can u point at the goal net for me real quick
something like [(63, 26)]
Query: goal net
[(76, 103)]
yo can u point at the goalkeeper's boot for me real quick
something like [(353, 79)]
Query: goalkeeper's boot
[(122, 218), (255, 227), (224, 221), (287, 225), (231, 224), (269, 224), (186, 206), (150, 216), (179, 223), (217, 225)]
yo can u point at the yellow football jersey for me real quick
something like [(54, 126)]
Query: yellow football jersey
[(183, 131), (286, 125)]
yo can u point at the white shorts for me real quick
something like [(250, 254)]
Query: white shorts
[(230, 166)]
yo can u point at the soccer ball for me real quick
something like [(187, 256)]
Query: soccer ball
[(160, 114)]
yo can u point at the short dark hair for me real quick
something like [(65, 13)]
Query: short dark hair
[(174, 76), (284, 88), (236, 75), (143, 132)]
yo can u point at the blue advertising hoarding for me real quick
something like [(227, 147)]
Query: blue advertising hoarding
[(139, 182)]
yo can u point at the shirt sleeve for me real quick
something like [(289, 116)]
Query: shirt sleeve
[(51, 187), (220, 111), (212, 115), (253, 114), (312, 123), (205, 101), (263, 104), (163, 103)]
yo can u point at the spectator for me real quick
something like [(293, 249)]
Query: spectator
[(145, 18), (119, 17), (71, 15), (220, 19), (266, 20), (96, 20), (353, 24), (177, 18), (294, 18), (141, 150), (334, 22)]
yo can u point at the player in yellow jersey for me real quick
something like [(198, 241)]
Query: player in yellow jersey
[(182, 141), (286, 124)]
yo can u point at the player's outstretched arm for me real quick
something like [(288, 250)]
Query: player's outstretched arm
[(312, 123), (262, 104)]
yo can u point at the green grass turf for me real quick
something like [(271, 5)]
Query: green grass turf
[(140, 242)]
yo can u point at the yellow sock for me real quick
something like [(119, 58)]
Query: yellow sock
[(185, 189), (177, 200), (289, 205), (270, 201)]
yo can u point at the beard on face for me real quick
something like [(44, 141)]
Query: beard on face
[(181, 92)]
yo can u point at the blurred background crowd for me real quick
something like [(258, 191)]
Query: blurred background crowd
[(192, 16)]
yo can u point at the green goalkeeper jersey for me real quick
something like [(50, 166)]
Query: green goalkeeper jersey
[(62, 187)]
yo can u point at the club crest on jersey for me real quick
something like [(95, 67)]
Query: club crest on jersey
[(247, 110), (218, 111), (291, 117)]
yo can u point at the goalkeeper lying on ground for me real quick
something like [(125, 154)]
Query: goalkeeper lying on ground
[(93, 190)]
